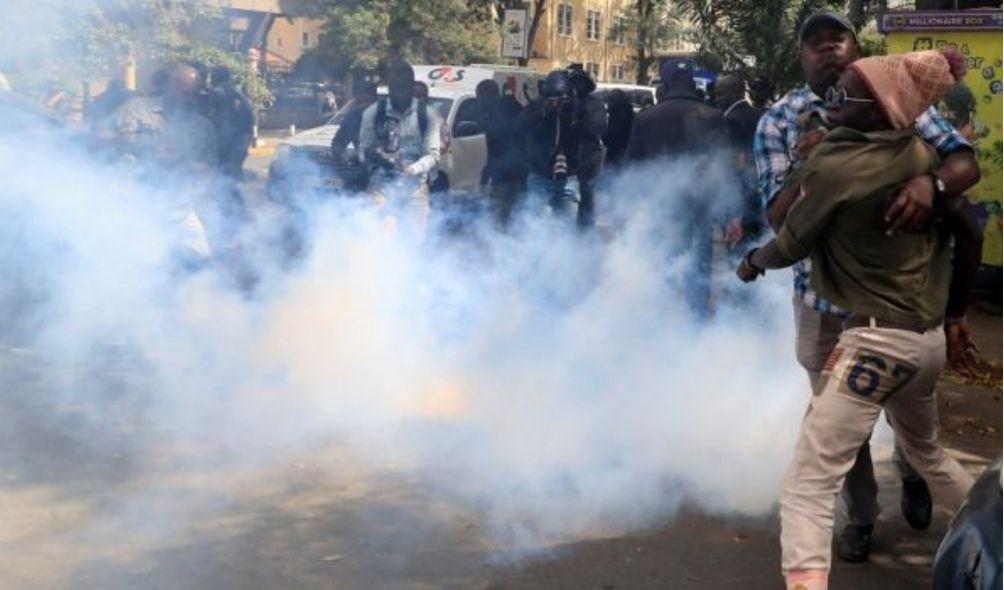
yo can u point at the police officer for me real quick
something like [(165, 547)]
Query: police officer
[(681, 127)]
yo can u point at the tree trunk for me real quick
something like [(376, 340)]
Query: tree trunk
[(642, 55), (538, 12)]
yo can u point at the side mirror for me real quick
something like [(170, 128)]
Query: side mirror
[(467, 129)]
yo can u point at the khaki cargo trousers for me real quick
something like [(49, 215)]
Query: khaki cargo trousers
[(870, 369)]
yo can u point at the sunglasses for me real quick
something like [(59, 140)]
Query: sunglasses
[(836, 98)]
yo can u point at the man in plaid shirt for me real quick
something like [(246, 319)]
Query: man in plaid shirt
[(827, 46)]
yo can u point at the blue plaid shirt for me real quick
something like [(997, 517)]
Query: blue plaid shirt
[(774, 148)]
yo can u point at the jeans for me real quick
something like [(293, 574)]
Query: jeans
[(691, 235), (547, 193)]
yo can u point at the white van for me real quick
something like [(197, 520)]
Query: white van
[(451, 92), (641, 96)]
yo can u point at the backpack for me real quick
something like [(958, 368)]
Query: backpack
[(380, 122)]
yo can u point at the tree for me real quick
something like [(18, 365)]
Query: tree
[(760, 36), (360, 34), (647, 26), (106, 39)]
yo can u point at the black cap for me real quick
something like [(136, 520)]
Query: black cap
[(676, 67), (824, 17)]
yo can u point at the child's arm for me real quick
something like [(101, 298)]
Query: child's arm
[(758, 260)]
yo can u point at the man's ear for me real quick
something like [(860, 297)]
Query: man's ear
[(856, 49)]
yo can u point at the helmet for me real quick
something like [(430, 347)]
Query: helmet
[(582, 82), (556, 85)]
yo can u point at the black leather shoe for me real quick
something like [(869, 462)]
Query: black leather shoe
[(916, 504), (855, 543)]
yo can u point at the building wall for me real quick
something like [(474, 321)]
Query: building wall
[(552, 49), (285, 41)]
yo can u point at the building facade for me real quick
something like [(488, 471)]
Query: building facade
[(581, 31), (278, 39)]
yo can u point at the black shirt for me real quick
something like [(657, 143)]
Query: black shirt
[(504, 138), (680, 125)]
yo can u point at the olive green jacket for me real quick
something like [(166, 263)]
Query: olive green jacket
[(847, 184)]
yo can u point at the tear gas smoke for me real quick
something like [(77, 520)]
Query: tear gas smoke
[(556, 383)]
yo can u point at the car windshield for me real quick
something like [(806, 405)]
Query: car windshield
[(442, 106)]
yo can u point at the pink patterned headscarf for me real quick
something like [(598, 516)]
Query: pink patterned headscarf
[(908, 84)]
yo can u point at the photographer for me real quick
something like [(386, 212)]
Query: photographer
[(399, 141), (563, 130)]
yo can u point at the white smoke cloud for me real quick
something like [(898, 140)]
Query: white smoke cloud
[(551, 381), (554, 383)]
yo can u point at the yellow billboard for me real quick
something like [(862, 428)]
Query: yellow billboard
[(974, 107)]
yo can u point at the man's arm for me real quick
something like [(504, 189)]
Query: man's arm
[(773, 165), (966, 257), (965, 265), (959, 171), (430, 146), (347, 131), (367, 133)]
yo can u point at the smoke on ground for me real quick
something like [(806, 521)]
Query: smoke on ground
[(552, 381)]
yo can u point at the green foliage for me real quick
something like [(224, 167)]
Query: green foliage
[(758, 37), (97, 40), (112, 31), (361, 34), (872, 42), (211, 56)]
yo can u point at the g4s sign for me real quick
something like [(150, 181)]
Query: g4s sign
[(446, 74)]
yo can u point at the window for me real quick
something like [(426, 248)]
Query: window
[(565, 20), (594, 70), (619, 30), (617, 72), (278, 41), (305, 40), (593, 25), (469, 110)]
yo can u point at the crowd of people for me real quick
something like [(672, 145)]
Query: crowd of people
[(860, 178)]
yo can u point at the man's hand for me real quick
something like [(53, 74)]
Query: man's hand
[(807, 141), (734, 232), (746, 272), (961, 350), (912, 207)]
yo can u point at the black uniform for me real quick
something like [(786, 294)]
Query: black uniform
[(683, 126)]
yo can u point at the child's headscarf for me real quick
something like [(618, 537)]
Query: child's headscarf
[(908, 84)]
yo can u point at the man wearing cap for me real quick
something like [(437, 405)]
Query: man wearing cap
[(827, 46), (683, 126)]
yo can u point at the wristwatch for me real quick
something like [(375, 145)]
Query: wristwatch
[(939, 185)]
